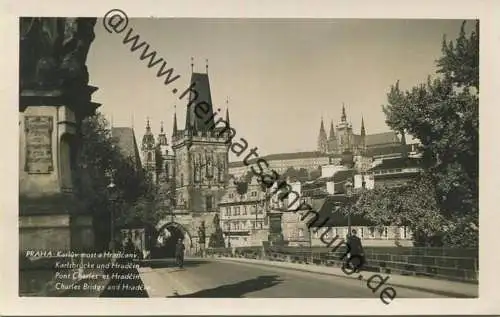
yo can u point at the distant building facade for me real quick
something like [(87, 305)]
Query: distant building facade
[(396, 172), (243, 214), (281, 162)]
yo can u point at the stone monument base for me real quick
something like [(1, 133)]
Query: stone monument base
[(53, 224)]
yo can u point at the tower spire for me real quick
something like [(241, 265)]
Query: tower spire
[(192, 64), (206, 65), (161, 126), (344, 117)]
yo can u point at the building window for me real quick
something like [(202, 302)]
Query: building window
[(231, 196), (244, 211), (383, 232), (316, 233), (405, 233), (208, 202), (236, 211), (301, 233), (150, 157), (254, 194), (253, 210)]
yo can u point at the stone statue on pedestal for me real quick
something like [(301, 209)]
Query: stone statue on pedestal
[(53, 52)]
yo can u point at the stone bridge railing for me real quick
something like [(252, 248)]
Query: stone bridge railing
[(440, 263)]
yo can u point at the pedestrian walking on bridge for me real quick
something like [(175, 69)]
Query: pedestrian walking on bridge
[(356, 256), (179, 253)]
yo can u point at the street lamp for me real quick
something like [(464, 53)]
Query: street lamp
[(112, 189), (348, 190)]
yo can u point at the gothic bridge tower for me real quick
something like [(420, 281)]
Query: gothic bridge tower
[(201, 162)]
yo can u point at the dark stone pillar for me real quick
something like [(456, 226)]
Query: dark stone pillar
[(54, 96)]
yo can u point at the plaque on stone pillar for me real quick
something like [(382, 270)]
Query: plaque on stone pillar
[(38, 131)]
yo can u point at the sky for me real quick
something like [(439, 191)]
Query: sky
[(280, 76)]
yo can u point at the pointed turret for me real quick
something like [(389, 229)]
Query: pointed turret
[(227, 112), (343, 118), (174, 130)]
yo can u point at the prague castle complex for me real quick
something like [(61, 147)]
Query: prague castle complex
[(195, 177)]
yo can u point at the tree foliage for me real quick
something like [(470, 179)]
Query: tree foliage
[(443, 114), (100, 160), (413, 206)]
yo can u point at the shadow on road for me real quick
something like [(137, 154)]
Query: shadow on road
[(238, 289)]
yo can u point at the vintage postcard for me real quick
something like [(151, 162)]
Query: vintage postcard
[(287, 160)]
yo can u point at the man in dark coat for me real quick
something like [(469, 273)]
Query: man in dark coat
[(179, 253), (356, 257)]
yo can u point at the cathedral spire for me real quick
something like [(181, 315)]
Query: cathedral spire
[(192, 65), (322, 140), (206, 65), (332, 131), (344, 117), (322, 127)]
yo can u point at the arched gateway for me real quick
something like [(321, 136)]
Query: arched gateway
[(166, 238)]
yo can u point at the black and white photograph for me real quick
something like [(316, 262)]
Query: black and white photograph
[(168, 157)]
